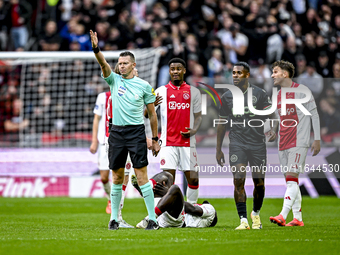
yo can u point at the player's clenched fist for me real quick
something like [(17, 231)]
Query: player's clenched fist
[(94, 39)]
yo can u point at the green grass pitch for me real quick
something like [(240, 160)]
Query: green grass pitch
[(79, 226)]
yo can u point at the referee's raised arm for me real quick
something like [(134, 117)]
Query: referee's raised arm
[(106, 69)]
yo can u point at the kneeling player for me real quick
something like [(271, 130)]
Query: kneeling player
[(173, 211)]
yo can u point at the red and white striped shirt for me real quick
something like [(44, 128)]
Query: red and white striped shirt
[(101, 110), (177, 113), (295, 126)]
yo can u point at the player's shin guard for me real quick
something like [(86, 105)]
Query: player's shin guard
[(121, 205), (116, 196), (149, 200), (192, 194), (290, 195), (297, 206), (107, 188)]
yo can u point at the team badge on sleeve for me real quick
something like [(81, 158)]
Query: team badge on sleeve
[(153, 92)]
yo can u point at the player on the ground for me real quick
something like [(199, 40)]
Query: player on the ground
[(294, 138), (173, 211), (181, 117), (127, 135), (247, 144)]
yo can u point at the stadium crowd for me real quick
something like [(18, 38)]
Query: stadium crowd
[(210, 35)]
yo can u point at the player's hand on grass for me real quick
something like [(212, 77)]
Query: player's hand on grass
[(315, 147), (93, 147), (94, 39), (160, 189), (159, 100), (271, 136), (189, 133), (155, 148), (220, 158)]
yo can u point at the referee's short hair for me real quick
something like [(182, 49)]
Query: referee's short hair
[(244, 64), (177, 60), (128, 53)]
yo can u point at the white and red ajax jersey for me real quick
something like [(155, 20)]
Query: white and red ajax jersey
[(100, 109), (295, 126), (177, 113)]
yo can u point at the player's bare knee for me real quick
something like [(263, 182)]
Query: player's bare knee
[(174, 189)]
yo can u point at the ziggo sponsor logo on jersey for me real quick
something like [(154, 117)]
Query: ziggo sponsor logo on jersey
[(174, 105)]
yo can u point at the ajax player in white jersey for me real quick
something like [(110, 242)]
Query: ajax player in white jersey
[(172, 211), (294, 138), (181, 117)]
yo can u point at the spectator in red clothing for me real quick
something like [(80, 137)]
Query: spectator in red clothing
[(18, 15)]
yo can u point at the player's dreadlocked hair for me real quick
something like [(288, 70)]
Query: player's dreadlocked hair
[(286, 66), (244, 64), (128, 53)]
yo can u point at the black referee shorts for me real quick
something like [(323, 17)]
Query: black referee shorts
[(124, 139)]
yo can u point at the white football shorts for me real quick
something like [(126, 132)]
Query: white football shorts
[(293, 160), (165, 220), (185, 158)]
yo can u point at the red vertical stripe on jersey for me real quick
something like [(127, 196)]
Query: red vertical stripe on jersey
[(288, 131), (107, 94), (178, 110)]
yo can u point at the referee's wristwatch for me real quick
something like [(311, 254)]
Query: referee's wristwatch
[(155, 138)]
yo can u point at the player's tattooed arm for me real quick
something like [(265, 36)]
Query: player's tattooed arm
[(154, 128), (274, 128), (106, 69), (197, 124), (221, 129)]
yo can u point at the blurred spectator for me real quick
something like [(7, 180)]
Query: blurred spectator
[(75, 32), (275, 43), (198, 77), (3, 26), (138, 12), (235, 43), (88, 12), (312, 80), (257, 41), (323, 67), (14, 122), (18, 15), (330, 116), (334, 83), (310, 50), (50, 40), (290, 50), (261, 77), (215, 64)]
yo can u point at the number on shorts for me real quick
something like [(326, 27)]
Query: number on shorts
[(297, 157)]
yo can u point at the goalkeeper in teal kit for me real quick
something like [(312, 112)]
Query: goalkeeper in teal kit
[(129, 94)]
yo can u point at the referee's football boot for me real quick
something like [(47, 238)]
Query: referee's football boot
[(279, 220), (256, 221), (243, 226), (152, 225), (113, 225)]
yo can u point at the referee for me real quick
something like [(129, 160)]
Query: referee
[(129, 94)]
